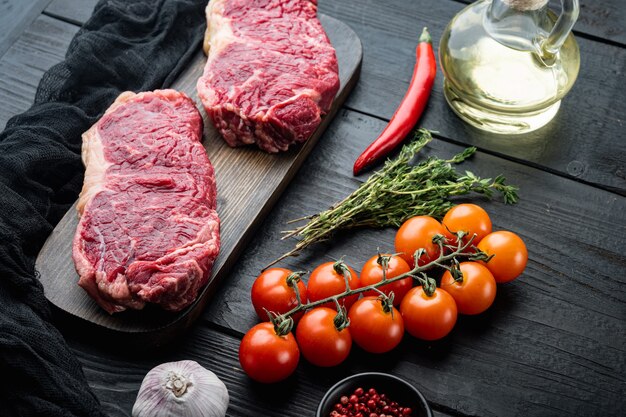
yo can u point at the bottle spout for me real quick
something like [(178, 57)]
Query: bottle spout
[(516, 23)]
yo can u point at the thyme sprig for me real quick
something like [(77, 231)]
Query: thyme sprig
[(399, 191)]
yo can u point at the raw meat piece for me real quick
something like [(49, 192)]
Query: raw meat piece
[(148, 231), (271, 72)]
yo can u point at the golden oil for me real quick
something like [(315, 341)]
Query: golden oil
[(498, 74)]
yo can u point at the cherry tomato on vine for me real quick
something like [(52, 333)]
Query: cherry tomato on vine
[(326, 281), (372, 272), (416, 233), (319, 340), (469, 218), (267, 357), (510, 255), (271, 291), (475, 292), (374, 329), (428, 317)]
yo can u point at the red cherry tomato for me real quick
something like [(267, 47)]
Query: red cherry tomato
[(325, 281), (469, 218), (320, 341), (374, 329), (372, 273), (510, 255), (267, 357), (271, 291), (476, 292), (416, 233), (428, 317)]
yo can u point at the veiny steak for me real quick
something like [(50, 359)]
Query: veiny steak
[(271, 71), (148, 231)]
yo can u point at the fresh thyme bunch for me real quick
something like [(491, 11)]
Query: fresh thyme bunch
[(398, 192)]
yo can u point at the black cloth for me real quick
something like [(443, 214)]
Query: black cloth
[(126, 45)]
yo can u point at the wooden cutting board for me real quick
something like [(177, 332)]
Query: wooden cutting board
[(249, 182)]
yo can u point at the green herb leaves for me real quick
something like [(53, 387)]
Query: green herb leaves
[(399, 191)]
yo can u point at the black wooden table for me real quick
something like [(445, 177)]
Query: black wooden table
[(554, 341)]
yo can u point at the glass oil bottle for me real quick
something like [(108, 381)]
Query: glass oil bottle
[(508, 63)]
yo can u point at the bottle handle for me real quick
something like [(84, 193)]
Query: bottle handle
[(569, 13)]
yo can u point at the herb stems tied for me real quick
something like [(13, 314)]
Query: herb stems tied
[(399, 191)]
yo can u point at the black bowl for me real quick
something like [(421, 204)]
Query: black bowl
[(397, 389)]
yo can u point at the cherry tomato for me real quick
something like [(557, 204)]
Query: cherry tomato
[(510, 255), (372, 273), (320, 341), (428, 317), (325, 281), (267, 357), (372, 328), (272, 292), (476, 292), (469, 218), (416, 233)]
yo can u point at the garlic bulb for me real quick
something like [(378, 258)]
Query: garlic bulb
[(181, 389)]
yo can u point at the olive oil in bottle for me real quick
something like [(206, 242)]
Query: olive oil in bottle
[(508, 63)]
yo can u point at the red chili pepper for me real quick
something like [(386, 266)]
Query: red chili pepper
[(410, 109)]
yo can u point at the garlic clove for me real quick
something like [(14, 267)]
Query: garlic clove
[(181, 389)]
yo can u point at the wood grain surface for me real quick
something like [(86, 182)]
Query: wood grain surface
[(41, 45), (598, 19), (119, 378), (76, 12), (582, 142), (554, 342), (14, 17), (248, 180)]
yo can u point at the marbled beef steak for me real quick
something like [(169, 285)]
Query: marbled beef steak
[(148, 231), (271, 71)]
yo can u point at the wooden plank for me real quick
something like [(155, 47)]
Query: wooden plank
[(603, 19), (249, 181), (116, 377), (15, 15), (582, 142), (597, 19), (42, 45), (535, 335), (74, 11), (554, 341)]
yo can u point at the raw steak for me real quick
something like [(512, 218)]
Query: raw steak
[(148, 231), (271, 71)]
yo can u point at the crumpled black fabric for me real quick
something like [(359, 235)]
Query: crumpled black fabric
[(126, 45)]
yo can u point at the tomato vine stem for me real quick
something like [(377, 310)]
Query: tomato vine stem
[(283, 323)]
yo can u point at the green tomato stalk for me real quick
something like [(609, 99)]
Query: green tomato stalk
[(283, 323)]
